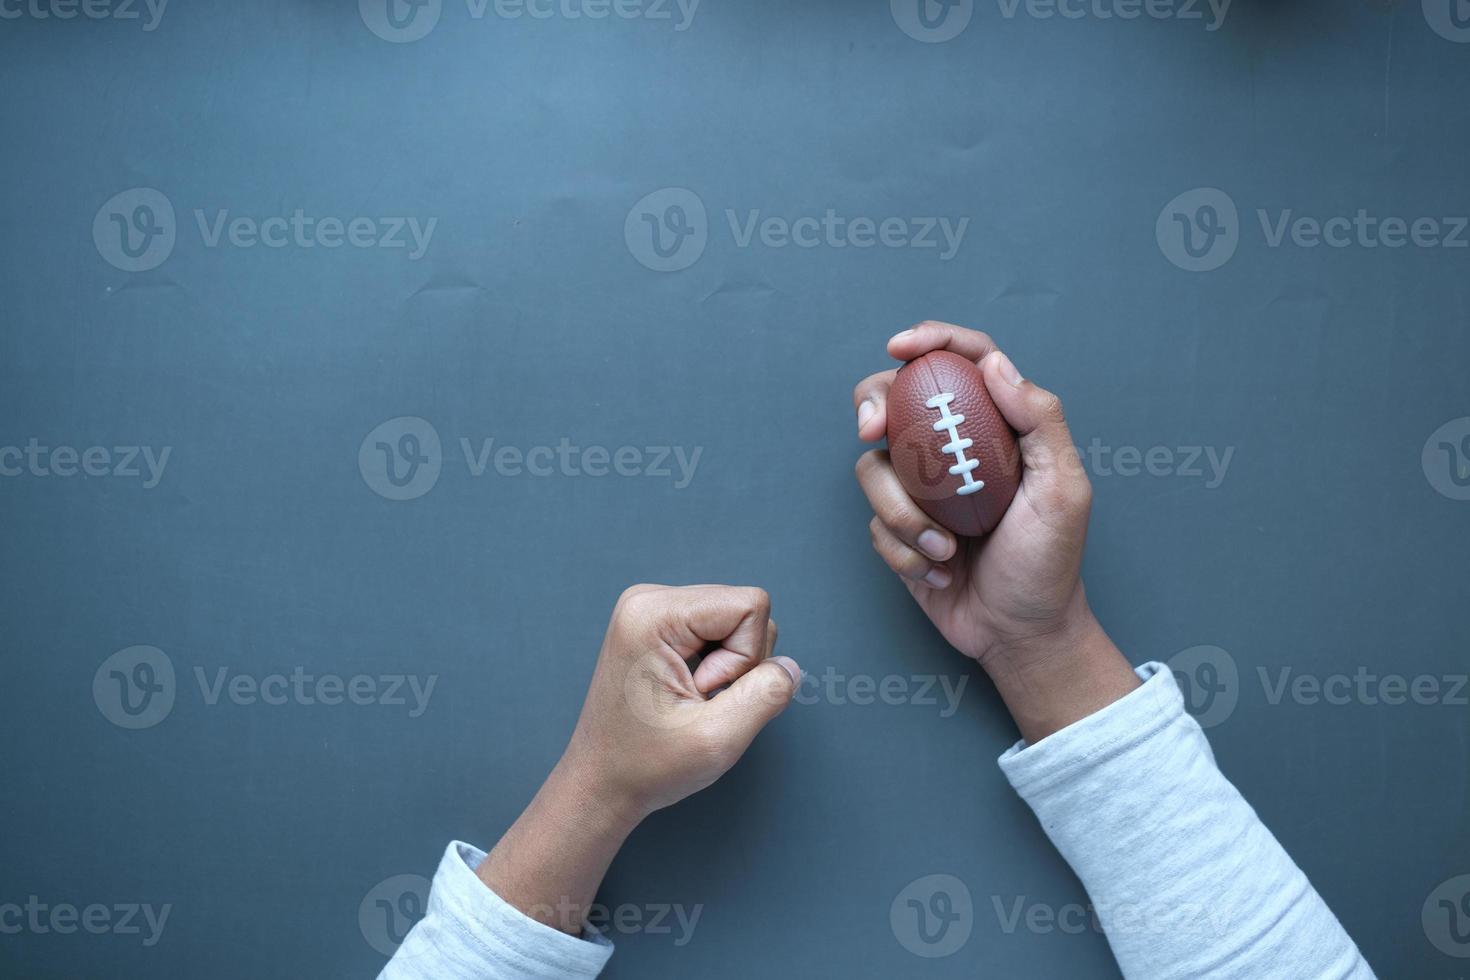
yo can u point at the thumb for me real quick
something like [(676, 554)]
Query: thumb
[(1052, 464), (757, 696)]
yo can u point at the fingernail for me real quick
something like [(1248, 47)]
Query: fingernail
[(901, 334), (939, 577), (934, 544), (1007, 369), (791, 668), (865, 412)]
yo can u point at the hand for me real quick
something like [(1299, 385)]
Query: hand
[(994, 596), (1012, 600), (652, 732), (649, 725)]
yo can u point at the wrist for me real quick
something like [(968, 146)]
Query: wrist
[(1020, 648), (580, 786), (1051, 680)]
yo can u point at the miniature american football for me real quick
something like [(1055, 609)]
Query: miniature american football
[(950, 446)]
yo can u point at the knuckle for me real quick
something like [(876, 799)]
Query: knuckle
[(871, 388), (759, 600), (635, 604), (1081, 496), (913, 566), (907, 520), (904, 561), (1053, 408), (903, 520), (1055, 491), (867, 464), (900, 516), (772, 687), (979, 335), (1070, 495), (779, 689)]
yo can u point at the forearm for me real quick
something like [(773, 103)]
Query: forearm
[(550, 862), (1183, 876)]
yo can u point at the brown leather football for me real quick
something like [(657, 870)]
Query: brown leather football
[(952, 449)]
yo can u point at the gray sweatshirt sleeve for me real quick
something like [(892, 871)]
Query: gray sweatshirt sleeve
[(1184, 878), (470, 933)]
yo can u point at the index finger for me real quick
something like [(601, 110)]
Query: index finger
[(931, 335), (733, 617)]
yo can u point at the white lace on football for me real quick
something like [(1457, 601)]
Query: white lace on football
[(949, 422)]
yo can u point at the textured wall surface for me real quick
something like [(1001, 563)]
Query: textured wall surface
[(279, 618)]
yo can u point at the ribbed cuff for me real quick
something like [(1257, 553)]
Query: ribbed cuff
[(1138, 716), (508, 939)]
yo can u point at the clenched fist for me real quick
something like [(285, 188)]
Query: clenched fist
[(653, 724)]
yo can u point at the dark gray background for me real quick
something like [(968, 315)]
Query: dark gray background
[(1325, 549)]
